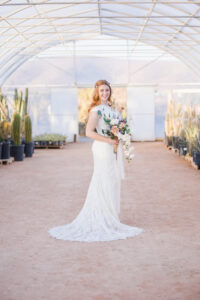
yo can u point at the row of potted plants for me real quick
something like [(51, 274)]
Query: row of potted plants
[(16, 131), (49, 139), (182, 129)]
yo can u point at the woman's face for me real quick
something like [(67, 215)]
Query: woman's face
[(104, 92)]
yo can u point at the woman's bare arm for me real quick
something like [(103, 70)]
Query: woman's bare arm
[(91, 125)]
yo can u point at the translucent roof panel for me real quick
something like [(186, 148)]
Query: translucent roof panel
[(28, 27)]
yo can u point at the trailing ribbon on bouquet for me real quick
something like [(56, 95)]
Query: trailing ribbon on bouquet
[(120, 162)]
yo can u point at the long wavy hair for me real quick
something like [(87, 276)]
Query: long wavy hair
[(96, 99)]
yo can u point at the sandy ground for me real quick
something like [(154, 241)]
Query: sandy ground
[(161, 194)]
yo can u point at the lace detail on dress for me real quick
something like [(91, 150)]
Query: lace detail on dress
[(98, 219)]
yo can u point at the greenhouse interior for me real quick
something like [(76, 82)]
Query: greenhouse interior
[(52, 54)]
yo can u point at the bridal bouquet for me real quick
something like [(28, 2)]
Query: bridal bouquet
[(119, 129)]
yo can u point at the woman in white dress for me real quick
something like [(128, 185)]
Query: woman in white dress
[(98, 219)]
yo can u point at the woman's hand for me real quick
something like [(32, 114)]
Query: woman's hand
[(113, 141)]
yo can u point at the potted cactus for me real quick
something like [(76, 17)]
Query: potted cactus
[(191, 136), (28, 137), (1, 141), (5, 132), (183, 144), (169, 123), (177, 123), (18, 147), (168, 137), (5, 126), (196, 152)]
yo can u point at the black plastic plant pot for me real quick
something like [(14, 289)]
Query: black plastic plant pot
[(5, 154), (28, 149), (18, 152), (1, 144), (196, 158), (169, 141), (175, 142), (185, 150), (180, 143), (12, 150), (33, 147), (181, 149)]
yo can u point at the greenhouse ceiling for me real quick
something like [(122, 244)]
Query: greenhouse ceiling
[(30, 27)]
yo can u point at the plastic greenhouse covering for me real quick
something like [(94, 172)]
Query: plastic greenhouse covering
[(91, 36)]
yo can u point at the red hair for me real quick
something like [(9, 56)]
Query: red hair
[(95, 98)]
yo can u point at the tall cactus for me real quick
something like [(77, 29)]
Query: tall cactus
[(177, 119), (15, 98), (20, 109), (5, 129), (16, 129), (26, 102), (4, 111), (169, 129), (1, 133), (28, 129), (20, 105)]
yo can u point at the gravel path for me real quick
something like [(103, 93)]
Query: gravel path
[(161, 194)]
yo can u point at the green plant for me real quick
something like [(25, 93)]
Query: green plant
[(167, 125), (4, 111), (177, 119), (52, 137), (28, 129), (16, 129), (26, 101), (1, 134), (20, 105), (197, 142), (182, 134), (169, 119), (5, 129), (190, 137)]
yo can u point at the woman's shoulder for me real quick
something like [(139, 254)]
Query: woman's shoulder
[(100, 107), (96, 108)]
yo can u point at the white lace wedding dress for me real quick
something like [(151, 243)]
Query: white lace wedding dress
[(98, 219)]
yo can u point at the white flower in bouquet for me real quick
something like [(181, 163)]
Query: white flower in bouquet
[(114, 122), (120, 129), (131, 148)]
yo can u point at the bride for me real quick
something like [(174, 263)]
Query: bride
[(98, 219)]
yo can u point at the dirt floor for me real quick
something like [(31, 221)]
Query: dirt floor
[(161, 194)]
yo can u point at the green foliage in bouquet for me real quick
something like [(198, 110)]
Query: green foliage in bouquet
[(123, 130), (27, 129), (16, 129), (51, 137)]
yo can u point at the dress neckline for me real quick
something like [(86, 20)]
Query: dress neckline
[(105, 105)]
